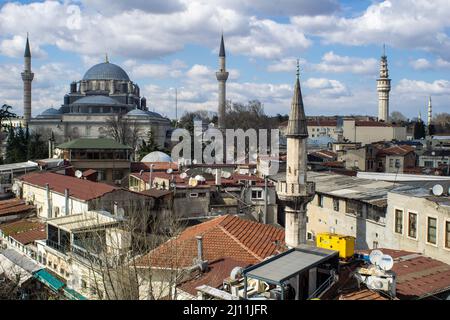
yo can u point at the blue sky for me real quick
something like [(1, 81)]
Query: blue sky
[(174, 43)]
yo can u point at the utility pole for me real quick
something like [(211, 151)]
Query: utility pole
[(176, 105)]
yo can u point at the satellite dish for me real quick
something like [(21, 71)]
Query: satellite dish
[(438, 190), (15, 187), (78, 174), (199, 178), (375, 257), (194, 161), (226, 174), (183, 175), (386, 262), (374, 283), (169, 171)]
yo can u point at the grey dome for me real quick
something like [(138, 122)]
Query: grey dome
[(154, 114), (97, 100), (137, 113), (157, 156), (106, 71), (50, 112)]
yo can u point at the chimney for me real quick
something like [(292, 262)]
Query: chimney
[(199, 248), (218, 177), (49, 204), (201, 263), (66, 197)]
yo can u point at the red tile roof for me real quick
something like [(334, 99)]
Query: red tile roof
[(78, 188), (324, 154), (89, 172), (30, 236), (17, 227), (418, 276), (14, 206), (217, 271), (157, 166), (223, 237), (401, 150), (364, 294)]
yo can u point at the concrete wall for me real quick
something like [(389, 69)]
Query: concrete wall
[(367, 231), (424, 208), (38, 196), (367, 135)]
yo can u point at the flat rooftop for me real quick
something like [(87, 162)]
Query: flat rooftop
[(83, 221), (290, 263), (19, 166)]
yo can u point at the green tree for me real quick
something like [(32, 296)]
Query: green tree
[(148, 146), (419, 130), (37, 148)]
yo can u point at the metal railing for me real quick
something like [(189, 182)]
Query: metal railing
[(324, 286)]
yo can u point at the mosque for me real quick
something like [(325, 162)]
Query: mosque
[(105, 92)]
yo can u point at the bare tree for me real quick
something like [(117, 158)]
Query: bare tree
[(398, 117), (115, 256), (123, 130)]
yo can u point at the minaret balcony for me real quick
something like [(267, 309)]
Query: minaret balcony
[(287, 191), (222, 76), (27, 76)]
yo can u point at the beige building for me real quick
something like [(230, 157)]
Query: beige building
[(368, 132), (418, 221)]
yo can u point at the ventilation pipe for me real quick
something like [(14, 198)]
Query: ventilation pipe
[(202, 264), (66, 197), (49, 204), (218, 177)]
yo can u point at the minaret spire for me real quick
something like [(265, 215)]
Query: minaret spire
[(222, 76), (27, 78), (295, 192), (383, 88)]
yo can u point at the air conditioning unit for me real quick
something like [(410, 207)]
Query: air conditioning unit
[(380, 283)]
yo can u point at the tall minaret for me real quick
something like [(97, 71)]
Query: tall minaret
[(27, 77), (296, 192), (430, 111), (222, 76), (383, 88)]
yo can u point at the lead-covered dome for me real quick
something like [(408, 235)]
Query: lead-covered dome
[(106, 71), (157, 156)]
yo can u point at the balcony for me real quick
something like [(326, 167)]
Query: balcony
[(290, 190)]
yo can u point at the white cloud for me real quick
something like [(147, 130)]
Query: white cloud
[(399, 23), (334, 63), (421, 64), (114, 6), (327, 87), (418, 87), (15, 47), (287, 65)]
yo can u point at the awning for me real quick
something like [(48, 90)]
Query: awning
[(49, 280), (73, 295)]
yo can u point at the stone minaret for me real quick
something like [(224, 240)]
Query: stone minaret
[(27, 77), (296, 192), (222, 76), (383, 88), (430, 111)]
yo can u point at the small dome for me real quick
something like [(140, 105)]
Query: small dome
[(137, 113), (154, 114), (50, 112), (157, 156), (106, 71), (98, 100)]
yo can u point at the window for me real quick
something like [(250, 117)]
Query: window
[(391, 163), (431, 230), (397, 163), (375, 245), (429, 164), (447, 234), (56, 211), (194, 195), (320, 200), (336, 204), (412, 225), (398, 221), (257, 194), (83, 284)]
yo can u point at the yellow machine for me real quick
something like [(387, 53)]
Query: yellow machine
[(344, 244)]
